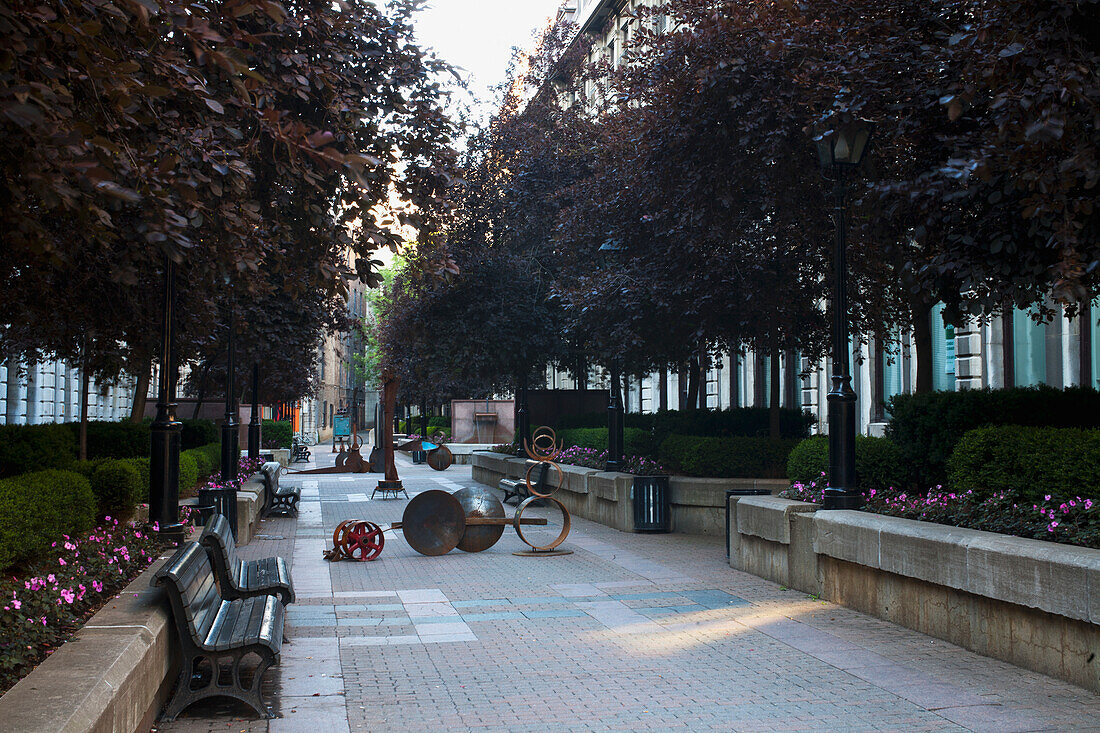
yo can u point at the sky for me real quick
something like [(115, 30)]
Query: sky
[(478, 35)]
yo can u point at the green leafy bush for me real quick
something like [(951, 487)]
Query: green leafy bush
[(636, 442), (142, 466), (38, 508), (197, 433), (114, 439), (927, 426), (189, 472), (26, 448), (204, 466), (747, 421), (117, 486), (1063, 463), (879, 464), (728, 457), (276, 433)]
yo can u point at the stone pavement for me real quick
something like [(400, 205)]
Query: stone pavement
[(630, 632)]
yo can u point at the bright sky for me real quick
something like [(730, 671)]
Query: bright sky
[(478, 36)]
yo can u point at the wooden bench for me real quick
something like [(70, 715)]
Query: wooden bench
[(299, 451), (239, 578), (282, 500), (217, 635)]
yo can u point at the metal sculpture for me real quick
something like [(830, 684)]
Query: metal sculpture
[(438, 456), (542, 450), (348, 460), (435, 522), (391, 484), (356, 539)]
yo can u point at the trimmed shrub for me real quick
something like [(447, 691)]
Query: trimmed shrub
[(142, 466), (728, 457), (203, 465), (110, 439), (635, 442), (1063, 463), (197, 433), (189, 472), (26, 448), (927, 426), (748, 421), (117, 486), (37, 509), (276, 433), (879, 464), (213, 453)]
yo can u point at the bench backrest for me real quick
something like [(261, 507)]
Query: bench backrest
[(217, 535), (190, 580)]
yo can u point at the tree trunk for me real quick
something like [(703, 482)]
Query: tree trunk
[(922, 340), (662, 399), (84, 379), (702, 379), (141, 392), (693, 384), (202, 391), (681, 388), (773, 397)]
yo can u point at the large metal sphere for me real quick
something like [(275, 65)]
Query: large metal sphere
[(479, 503), (433, 522)]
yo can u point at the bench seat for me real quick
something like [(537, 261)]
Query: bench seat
[(239, 578), (513, 488), (282, 500), (217, 634)]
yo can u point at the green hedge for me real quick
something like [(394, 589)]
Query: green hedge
[(747, 421), (728, 457), (277, 433), (25, 448), (879, 464), (636, 442), (927, 426), (197, 433), (1061, 462), (37, 508), (110, 439), (117, 486), (189, 472), (205, 463)]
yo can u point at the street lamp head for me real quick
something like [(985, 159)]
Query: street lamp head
[(844, 144)]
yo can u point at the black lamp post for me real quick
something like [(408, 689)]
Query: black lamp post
[(609, 252), (164, 457), (254, 418), (231, 451), (839, 150), (523, 415)]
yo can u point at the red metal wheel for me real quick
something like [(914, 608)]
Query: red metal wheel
[(365, 541)]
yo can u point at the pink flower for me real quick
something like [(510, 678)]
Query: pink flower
[(62, 561), (50, 578), (16, 605), (97, 586)]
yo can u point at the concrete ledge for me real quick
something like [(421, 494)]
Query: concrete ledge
[(769, 517), (250, 500), (1032, 603), (114, 675)]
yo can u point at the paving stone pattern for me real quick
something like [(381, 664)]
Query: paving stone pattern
[(630, 632)]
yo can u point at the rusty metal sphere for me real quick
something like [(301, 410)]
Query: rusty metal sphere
[(433, 522), (441, 458), (479, 503)]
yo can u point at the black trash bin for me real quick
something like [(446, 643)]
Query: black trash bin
[(219, 501), (739, 492), (419, 456), (651, 511)]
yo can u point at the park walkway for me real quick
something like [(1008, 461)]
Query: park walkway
[(630, 632)]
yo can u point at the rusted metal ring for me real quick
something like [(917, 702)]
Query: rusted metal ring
[(531, 487), (544, 445), (566, 521)]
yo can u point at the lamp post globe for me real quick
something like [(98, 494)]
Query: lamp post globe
[(840, 149)]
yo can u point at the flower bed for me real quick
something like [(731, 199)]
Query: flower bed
[(46, 603), (590, 458), (245, 468), (49, 599), (1074, 521)]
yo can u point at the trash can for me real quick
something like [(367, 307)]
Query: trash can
[(219, 501), (739, 492), (419, 456), (651, 510)]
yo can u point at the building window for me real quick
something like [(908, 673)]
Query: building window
[(324, 414), (1029, 356), (943, 351)]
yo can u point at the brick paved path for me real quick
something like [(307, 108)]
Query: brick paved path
[(631, 632)]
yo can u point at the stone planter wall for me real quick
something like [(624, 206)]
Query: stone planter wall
[(697, 504), (1034, 604)]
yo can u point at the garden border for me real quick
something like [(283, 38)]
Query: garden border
[(117, 670)]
